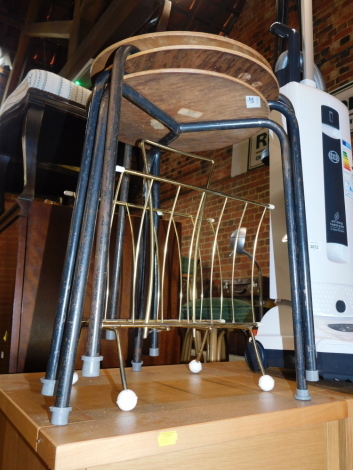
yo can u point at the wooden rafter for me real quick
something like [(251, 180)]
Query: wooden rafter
[(87, 36), (112, 19), (49, 29), (20, 58)]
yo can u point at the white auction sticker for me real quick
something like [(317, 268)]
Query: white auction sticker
[(253, 102), (190, 113), (315, 246)]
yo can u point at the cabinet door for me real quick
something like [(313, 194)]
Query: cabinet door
[(9, 247)]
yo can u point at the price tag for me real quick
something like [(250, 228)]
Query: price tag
[(168, 438), (253, 102)]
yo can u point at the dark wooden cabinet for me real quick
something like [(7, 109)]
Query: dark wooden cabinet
[(9, 281), (33, 242)]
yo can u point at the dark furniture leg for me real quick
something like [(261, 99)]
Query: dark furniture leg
[(49, 381), (30, 138)]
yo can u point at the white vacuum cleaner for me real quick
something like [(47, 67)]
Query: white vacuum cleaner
[(328, 189)]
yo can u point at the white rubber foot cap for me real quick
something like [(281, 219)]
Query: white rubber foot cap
[(127, 400), (266, 383), (74, 378), (195, 366)]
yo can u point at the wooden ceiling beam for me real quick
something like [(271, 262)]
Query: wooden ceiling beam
[(110, 21), (91, 9), (21, 54), (49, 29), (75, 29)]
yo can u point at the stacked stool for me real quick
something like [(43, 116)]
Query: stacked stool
[(197, 92)]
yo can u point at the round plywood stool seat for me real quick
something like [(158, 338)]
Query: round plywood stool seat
[(234, 64), (146, 42), (196, 51), (191, 96)]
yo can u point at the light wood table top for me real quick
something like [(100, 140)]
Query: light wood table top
[(176, 410)]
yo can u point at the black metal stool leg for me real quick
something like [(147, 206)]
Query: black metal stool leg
[(296, 271), (91, 360), (140, 290), (114, 290), (49, 381), (153, 166), (148, 107), (312, 373), (60, 412), (155, 170)]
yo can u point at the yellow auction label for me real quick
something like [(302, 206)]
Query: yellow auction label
[(168, 438)]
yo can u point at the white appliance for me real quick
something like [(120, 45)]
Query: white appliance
[(328, 189)]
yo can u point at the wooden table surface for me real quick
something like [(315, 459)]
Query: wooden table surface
[(219, 416)]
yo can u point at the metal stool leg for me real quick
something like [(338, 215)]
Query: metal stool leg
[(92, 357), (60, 412), (295, 266), (312, 373), (49, 381), (153, 166), (155, 170), (114, 290)]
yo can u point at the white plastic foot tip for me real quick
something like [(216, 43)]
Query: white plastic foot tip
[(91, 366), (195, 366), (48, 387), (74, 378), (266, 383), (127, 400)]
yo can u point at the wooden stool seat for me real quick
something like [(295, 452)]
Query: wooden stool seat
[(175, 38), (189, 95), (235, 64), (192, 77)]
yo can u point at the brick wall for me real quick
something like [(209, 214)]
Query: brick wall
[(333, 50), (252, 185), (333, 41), (333, 35)]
